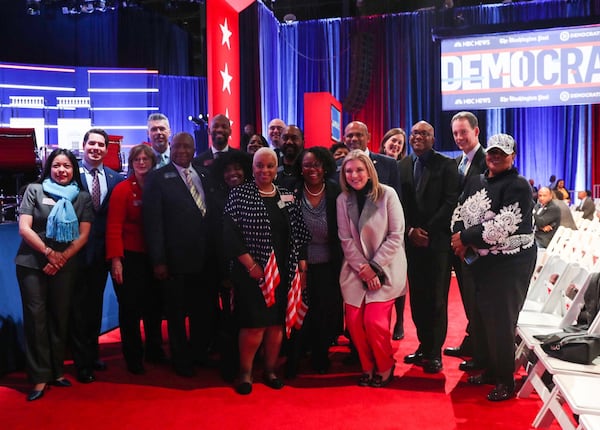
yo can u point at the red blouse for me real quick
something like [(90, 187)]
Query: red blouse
[(124, 227)]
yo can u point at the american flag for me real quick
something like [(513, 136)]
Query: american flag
[(270, 281), (296, 306)]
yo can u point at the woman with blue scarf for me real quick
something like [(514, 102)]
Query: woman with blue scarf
[(54, 222)]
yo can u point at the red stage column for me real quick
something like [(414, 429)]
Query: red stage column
[(322, 120), (223, 66)]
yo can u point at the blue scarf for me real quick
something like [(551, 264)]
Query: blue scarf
[(62, 225)]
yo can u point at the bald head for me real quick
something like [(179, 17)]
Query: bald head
[(356, 136), (275, 129), (544, 195)]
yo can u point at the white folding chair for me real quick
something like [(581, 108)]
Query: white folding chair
[(556, 366), (580, 392)]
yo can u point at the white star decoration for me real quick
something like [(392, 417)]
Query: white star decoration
[(226, 79), (226, 34)]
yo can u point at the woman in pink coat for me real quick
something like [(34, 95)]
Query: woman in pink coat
[(371, 230)]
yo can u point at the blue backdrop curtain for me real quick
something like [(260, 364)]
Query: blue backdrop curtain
[(404, 87), (180, 97)]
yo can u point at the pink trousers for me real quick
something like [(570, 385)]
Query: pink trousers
[(369, 328)]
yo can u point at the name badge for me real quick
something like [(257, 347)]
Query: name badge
[(170, 175), (287, 198), (48, 201)]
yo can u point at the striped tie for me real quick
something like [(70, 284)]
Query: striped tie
[(194, 191), (95, 189), (462, 167)]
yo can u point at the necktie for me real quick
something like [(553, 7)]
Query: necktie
[(418, 171), (95, 189), (218, 154), (194, 191), (462, 167)]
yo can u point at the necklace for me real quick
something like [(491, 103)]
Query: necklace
[(315, 194), (268, 193)]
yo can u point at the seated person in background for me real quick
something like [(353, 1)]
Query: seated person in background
[(546, 215), (566, 217), (561, 192), (586, 204)]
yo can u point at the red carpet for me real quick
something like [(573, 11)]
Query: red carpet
[(162, 400)]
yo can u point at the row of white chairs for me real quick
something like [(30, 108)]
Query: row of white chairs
[(554, 300)]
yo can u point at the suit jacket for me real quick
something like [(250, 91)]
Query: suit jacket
[(176, 232), (477, 167), (206, 158), (543, 216), (376, 235), (95, 248), (431, 206), (588, 208)]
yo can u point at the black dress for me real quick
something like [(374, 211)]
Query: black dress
[(250, 305)]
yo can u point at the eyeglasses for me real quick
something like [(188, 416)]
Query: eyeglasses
[(312, 166), (421, 133), (141, 160)]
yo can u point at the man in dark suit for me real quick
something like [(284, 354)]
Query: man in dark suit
[(356, 136), (429, 194), (586, 204), (546, 215), (176, 231), (86, 308), (220, 131), (471, 163)]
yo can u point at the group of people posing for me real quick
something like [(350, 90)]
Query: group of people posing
[(277, 245)]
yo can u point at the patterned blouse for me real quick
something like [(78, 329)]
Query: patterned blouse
[(494, 214), (249, 214)]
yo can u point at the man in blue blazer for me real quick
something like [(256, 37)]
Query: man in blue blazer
[(176, 230), (429, 195), (86, 308)]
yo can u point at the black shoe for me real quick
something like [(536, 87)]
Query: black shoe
[(415, 358), (483, 379), (62, 382), (85, 376), (100, 365), (501, 392), (398, 333), (469, 366), (456, 351), (379, 382), (433, 365), (273, 382), (364, 380), (243, 388), (36, 394)]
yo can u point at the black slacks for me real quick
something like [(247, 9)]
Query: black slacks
[(187, 295), (501, 284), (46, 301), (139, 298), (86, 313), (429, 281)]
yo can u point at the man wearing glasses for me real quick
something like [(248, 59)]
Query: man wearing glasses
[(429, 194)]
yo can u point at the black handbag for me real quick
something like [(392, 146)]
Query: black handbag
[(580, 348)]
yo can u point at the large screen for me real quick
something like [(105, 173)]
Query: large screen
[(559, 66)]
